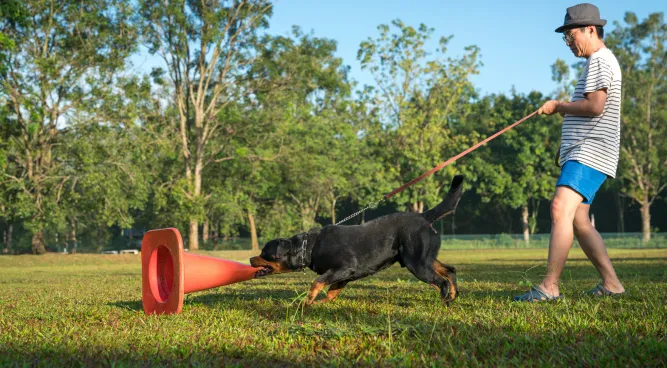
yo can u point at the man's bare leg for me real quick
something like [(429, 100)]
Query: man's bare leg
[(563, 208), (592, 244)]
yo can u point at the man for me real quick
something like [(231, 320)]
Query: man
[(588, 153)]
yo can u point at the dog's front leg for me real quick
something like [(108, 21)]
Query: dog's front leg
[(333, 292), (315, 289), (331, 277)]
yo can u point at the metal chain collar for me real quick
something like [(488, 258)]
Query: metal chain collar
[(303, 254), (371, 205)]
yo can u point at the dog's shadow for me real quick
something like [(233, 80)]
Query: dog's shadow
[(276, 302), (131, 305), (233, 299)]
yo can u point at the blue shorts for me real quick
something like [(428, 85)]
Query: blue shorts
[(582, 179)]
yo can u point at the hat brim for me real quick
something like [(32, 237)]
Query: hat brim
[(581, 23)]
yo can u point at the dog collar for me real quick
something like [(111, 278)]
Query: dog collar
[(303, 250)]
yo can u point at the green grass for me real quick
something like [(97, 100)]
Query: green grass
[(481, 241), (63, 310)]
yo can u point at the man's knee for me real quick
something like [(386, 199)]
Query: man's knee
[(562, 210)]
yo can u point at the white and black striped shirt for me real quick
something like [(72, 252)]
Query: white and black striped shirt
[(595, 140)]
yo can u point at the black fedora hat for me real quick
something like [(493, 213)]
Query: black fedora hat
[(581, 15)]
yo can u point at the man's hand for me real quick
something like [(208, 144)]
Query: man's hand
[(548, 108)]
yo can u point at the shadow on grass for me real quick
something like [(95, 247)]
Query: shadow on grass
[(134, 306), (458, 341), (280, 291), (93, 356)]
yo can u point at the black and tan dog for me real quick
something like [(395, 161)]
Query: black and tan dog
[(341, 254)]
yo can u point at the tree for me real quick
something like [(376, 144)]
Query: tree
[(524, 155), (304, 139), (560, 73), (205, 46), (62, 54), (421, 100), (6, 208), (640, 49)]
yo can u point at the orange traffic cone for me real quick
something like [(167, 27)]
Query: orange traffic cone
[(168, 272)]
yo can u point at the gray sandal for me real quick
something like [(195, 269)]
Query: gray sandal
[(536, 295), (600, 290)]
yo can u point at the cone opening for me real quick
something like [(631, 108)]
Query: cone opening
[(161, 273)]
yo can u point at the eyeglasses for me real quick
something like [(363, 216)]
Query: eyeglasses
[(568, 37)]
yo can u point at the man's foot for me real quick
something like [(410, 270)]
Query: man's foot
[(536, 294), (600, 290)]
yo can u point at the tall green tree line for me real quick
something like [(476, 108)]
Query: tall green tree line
[(244, 131)]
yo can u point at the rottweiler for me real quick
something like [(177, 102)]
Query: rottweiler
[(340, 254)]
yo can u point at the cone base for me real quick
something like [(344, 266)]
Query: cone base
[(162, 271)]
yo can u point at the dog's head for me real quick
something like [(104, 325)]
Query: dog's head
[(280, 256)]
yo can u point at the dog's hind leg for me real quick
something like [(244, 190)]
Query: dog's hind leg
[(427, 273), (448, 272)]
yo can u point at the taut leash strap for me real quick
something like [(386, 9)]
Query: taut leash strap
[(445, 163)]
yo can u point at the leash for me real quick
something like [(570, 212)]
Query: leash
[(439, 167)]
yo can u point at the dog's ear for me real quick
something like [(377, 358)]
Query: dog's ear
[(297, 240), (276, 248), (285, 247)]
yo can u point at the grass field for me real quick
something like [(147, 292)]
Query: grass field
[(63, 310)]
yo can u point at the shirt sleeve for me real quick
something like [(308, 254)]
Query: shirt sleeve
[(599, 75)]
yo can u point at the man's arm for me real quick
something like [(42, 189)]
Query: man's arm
[(591, 105)]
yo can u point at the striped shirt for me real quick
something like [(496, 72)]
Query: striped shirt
[(595, 140)]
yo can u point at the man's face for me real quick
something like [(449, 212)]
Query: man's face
[(578, 40)]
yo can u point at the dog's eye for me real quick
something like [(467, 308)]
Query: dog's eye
[(269, 257)]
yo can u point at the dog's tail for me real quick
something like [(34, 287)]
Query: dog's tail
[(448, 204)]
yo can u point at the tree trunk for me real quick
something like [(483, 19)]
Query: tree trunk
[(193, 235), (253, 233), (646, 220), (7, 238), (532, 221), (73, 237), (38, 246), (214, 233), (418, 207), (333, 211), (309, 212), (524, 222), (223, 236), (620, 207), (204, 231)]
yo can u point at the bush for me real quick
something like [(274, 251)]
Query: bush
[(505, 240)]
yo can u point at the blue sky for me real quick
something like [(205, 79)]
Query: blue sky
[(517, 39)]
